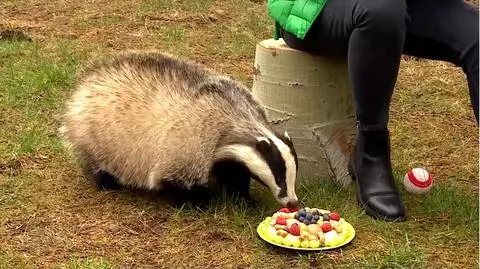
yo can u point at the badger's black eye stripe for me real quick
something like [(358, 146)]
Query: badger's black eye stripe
[(276, 163)]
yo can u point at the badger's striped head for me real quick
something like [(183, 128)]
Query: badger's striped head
[(272, 161), (277, 167)]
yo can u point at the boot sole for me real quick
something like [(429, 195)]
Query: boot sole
[(368, 210)]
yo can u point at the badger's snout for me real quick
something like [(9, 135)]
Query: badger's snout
[(292, 204), (289, 202)]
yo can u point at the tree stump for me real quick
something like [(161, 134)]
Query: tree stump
[(310, 97)]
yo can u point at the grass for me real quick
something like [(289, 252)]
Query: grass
[(399, 256), (87, 264), (163, 5), (51, 217)]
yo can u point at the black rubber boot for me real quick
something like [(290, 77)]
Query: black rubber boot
[(370, 166)]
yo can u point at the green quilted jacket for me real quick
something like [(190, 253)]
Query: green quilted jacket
[(295, 16)]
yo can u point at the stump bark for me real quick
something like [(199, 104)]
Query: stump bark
[(310, 97)]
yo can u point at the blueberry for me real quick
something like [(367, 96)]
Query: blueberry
[(303, 213), (306, 221), (309, 216), (316, 217), (326, 217), (301, 218), (315, 212), (296, 215)]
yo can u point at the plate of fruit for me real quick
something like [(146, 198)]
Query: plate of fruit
[(306, 229)]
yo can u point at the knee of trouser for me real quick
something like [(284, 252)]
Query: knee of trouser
[(386, 17), (469, 57)]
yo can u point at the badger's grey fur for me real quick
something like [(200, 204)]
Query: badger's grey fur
[(143, 119)]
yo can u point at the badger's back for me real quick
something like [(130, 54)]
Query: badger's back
[(148, 117)]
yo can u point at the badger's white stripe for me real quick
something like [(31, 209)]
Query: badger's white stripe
[(263, 139), (287, 156), (253, 161)]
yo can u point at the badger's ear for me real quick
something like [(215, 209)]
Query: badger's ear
[(263, 145), (285, 137)]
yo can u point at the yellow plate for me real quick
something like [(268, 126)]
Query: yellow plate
[(346, 241)]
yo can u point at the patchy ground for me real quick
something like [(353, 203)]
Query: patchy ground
[(51, 217)]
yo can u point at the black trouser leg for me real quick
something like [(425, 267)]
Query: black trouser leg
[(446, 30), (373, 34)]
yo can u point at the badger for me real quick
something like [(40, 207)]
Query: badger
[(147, 119)]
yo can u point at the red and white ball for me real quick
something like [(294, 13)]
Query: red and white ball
[(417, 180)]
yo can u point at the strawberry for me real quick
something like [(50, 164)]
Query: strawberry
[(334, 216), (284, 210), (281, 221), (294, 229), (326, 227)]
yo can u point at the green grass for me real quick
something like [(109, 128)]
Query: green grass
[(403, 255), (174, 37), (33, 82), (51, 217), (148, 6), (8, 258), (87, 264)]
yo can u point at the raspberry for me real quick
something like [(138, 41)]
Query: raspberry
[(326, 227), (281, 221), (334, 216), (284, 210)]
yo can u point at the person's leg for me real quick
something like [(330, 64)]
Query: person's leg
[(446, 30), (371, 34)]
